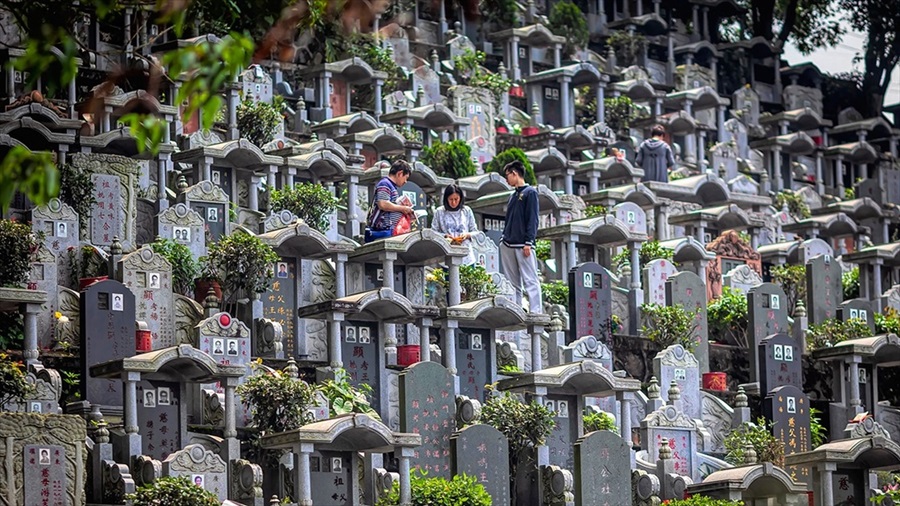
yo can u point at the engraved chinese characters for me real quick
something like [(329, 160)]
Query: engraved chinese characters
[(787, 408), (428, 408), (591, 302)]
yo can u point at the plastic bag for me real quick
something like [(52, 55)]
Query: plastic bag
[(404, 225)]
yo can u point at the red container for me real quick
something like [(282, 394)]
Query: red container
[(86, 282), (142, 341), (502, 130), (408, 354), (717, 381), (530, 131)]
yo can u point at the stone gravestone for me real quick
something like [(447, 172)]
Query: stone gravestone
[(767, 315), (551, 108), (787, 408), (159, 410), (477, 104), (227, 341), (681, 432), (738, 133), (428, 408), (474, 350), (430, 82), (44, 469), (149, 276), (891, 298), (362, 358), (860, 309), (811, 248), (679, 365), (204, 468), (330, 478), (634, 218), (742, 278), (43, 277), (482, 451), (723, 156), (747, 100), (185, 226), (590, 299), (565, 432), (780, 363), (107, 321), (486, 252), (59, 223), (656, 273), (212, 204), (256, 84), (824, 291), (602, 470), (280, 303), (687, 289), (115, 182)]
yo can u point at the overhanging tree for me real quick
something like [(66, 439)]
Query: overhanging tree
[(880, 21)]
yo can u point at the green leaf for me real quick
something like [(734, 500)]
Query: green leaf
[(32, 173)]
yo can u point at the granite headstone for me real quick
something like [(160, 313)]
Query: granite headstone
[(565, 432), (185, 226), (212, 203), (45, 481), (474, 351), (656, 273), (824, 291), (780, 363), (679, 365), (227, 341), (107, 322), (787, 408), (632, 216), (767, 315), (280, 303), (689, 290), (362, 358), (158, 410), (482, 451), (203, 467), (428, 408), (602, 470), (860, 309), (590, 300), (149, 276), (330, 478)]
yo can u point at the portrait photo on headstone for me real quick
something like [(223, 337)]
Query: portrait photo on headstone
[(350, 334), (118, 302), (212, 215), (563, 409), (182, 234), (197, 479), (62, 229), (282, 270), (36, 407), (218, 347), (217, 177), (233, 347), (153, 280), (150, 398), (337, 465), (44, 456), (364, 337), (476, 342), (164, 396)]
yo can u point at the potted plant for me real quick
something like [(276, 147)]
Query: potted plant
[(13, 385), (310, 202), (184, 268), (243, 264), (18, 248)]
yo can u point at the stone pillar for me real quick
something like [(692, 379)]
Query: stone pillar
[(670, 59), (625, 416), (104, 122), (695, 23), (340, 268), (827, 486), (571, 254), (839, 176), (205, 169), (131, 380), (876, 279), (852, 375), (569, 185), (662, 222), (253, 193), (71, 108), (453, 272), (448, 346), (635, 248), (442, 21), (564, 91), (232, 99), (353, 207), (536, 361), (387, 264), (893, 145), (820, 183), (557, 55), (378, 84), (705, 22), (302, 485), (270, 177), (425, 339), (324, 103), (776, 169), (601, 107), (31, 351), (720, 123), (514, 69), (405, 488), (335, 355), (658, 107), (777, 69), (162, 172), (754, 238), (701, 152)]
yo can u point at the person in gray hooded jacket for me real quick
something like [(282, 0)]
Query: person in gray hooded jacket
[(655, 156)]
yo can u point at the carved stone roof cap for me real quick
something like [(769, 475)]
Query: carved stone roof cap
[(604, 230), (742, 478), (873, 451), (353, 432), (495, 312), (182, 363), (415, 248), (583, 378)]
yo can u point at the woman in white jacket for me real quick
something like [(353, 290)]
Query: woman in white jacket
[(455, 220)]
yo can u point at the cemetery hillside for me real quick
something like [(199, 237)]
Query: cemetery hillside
[(434, 252)]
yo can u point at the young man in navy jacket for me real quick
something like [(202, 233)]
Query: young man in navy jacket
[(519, 235)]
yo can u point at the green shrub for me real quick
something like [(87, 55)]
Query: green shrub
[(461, 490), (887, 322), (177, 491), (850, 283), (343, 398), (567, 20), (668, 325), (766, 446), (277, 401), (508, 368), (508, 155), (555, 292), (470, 70), (184, 268), (526, 426), (449, 159), (257, 121), (817, 431), (792, 279), (12, 331), (13, 386), (650, 250), (18, 249), (474, 282), (727, 317), (312, 203), (620, 112), (627, 47), (833, 331), (595, 210), (797, 206), (243, 264), (598, 421), (77, 191), (543, 250)]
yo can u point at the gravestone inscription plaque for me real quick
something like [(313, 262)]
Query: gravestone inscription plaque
[(591, 301), (565, 433), (787, 408), (823, 288), (280, 303), (767, 315), (107, 322), (428, 408), (679, 365), (483, 452), (602, 470), (362, 359), (158, 405), (779, 363), (45, 475), (473, 354), (689, 290), (656, 273)]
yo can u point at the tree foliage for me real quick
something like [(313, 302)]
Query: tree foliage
[(310, 202), (449, 159), (880, 21), (758, 435), (567, 20), (508, 155), (668, 325)]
